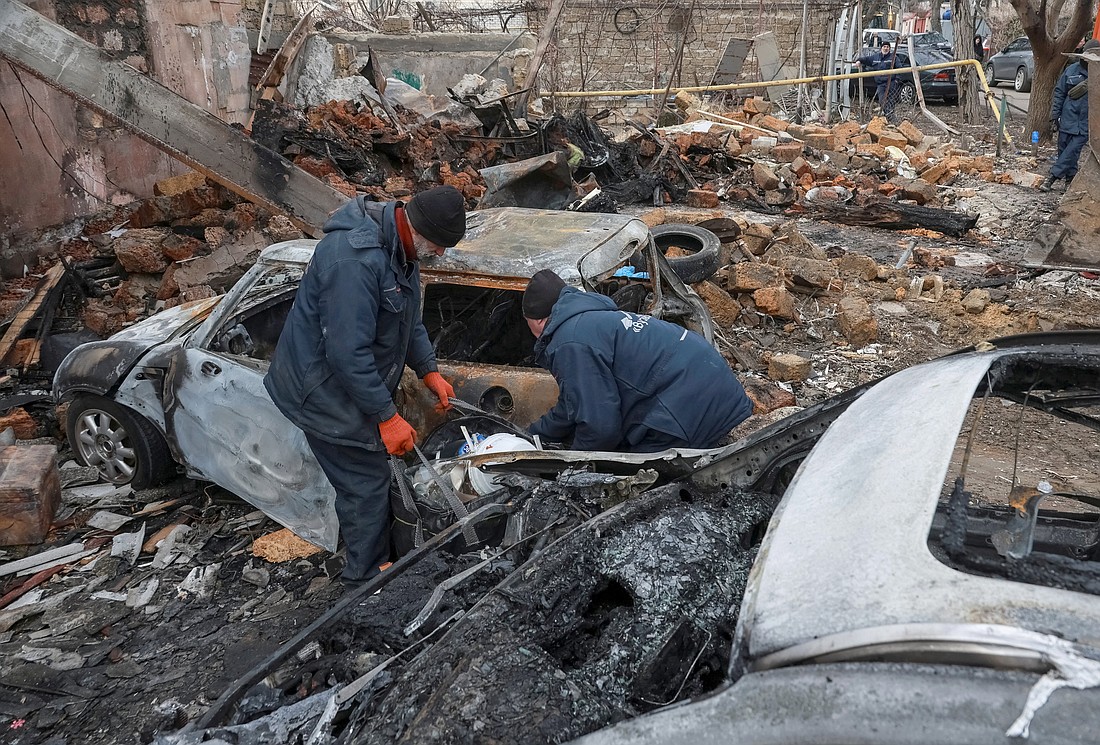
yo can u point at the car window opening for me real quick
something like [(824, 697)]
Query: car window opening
[(1021, 500)]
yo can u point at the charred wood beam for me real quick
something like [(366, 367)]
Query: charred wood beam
[(883, 213)]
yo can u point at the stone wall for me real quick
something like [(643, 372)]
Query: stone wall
[(631, 46)]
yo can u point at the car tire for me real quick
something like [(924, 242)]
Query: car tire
[(123, 445), (702, 243), (1022, 82), (907, 94), (951, 100), (989, 76)]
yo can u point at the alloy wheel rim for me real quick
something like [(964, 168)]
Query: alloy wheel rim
[(104, 443)]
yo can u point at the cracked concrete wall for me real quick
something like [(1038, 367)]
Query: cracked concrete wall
[(62, 162)]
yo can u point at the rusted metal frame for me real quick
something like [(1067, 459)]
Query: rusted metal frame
[(220, 708)]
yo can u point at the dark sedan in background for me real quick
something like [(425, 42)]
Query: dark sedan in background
[(935, 84)]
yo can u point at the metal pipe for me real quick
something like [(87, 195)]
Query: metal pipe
[(797, 81)]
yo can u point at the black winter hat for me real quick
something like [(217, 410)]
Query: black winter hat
[(438, 214), (541, 294)]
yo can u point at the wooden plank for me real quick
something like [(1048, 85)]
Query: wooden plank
[(169, 122), (28, 312)]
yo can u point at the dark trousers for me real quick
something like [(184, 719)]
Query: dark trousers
[(1069, 152), (887, 93), (361, 479)]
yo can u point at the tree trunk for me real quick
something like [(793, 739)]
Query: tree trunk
[(970, 93), (1047, 72), (1040, 23)]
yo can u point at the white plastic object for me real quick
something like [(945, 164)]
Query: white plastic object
[(503, 442)]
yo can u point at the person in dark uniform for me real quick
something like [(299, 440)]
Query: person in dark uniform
[(885, 89), (627, 382), (1069, 115), (354, 326)]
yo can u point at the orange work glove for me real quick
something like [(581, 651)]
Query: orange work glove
[(440, 387), (397, 435)]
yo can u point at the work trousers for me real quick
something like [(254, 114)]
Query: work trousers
[(361, 479), (1069, 152), (887, 94)]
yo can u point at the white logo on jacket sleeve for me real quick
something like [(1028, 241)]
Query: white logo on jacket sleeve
[(632, 322)]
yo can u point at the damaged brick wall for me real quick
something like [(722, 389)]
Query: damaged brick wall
[(63, 162), (634, 45)]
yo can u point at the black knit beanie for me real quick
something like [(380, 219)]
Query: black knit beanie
[(541, 294), (438, 214)]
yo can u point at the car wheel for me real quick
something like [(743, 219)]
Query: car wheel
[(989, 76), (702, 244), (123, 445), (1022, 83), (907, 94)]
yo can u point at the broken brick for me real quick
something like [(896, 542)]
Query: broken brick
[(975, 302), (820, 141), (764, 177), (910, 132), (789, 367), (704, 198), (857, 322), (858, 265), (102, 318), (723, 308), (892, 139), (140, 250), (21, 422), (767, 397), (872, 150), (774, 124), (757, 105), (846, 130), (180, 247), (280, 228), (757, 237), (809, 272), (174, 185), (775, 301), (876, 126), (29, 493), (787, 152)]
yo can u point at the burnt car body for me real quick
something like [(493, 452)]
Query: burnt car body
[(186, 386), (892, 565), (906, 594)]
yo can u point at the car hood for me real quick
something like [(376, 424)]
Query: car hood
[(98, 366)]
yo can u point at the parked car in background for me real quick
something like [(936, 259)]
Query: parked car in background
[(1015, 63), (932, 40), (184, 388), (935, 84), (874, 38)]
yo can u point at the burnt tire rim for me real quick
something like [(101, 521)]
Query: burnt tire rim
[(104, 443)]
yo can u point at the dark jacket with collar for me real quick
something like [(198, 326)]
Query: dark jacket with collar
[(621, 374), (877, 61), (354, 326), (1072, 114)]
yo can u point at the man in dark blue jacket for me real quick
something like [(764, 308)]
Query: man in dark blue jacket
[(885, 88), (627, 382), (1069, 114), (354, 326)]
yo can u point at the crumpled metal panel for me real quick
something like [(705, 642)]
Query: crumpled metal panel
[(513, 242), (847, 548)]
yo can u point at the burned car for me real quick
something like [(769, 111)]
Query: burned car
[(916, 560), (184, 387)]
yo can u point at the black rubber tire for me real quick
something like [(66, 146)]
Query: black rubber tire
[(989, 76), (704, 245), (153, 460), (1022, 82)]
